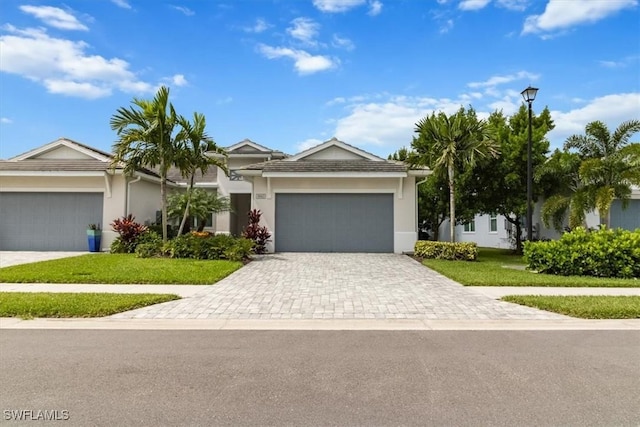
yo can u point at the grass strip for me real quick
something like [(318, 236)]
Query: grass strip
[(585, 307), (500, 267), (120, 269), (28, 305)]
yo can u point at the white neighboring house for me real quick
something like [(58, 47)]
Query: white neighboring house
[(494, 231)]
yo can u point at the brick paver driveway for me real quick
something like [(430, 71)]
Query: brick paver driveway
[(337, 286)]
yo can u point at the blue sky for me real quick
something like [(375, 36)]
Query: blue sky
[(290, 74)]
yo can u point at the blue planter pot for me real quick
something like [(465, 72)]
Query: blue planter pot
[(93, 238)]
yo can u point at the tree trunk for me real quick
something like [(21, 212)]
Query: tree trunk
[(186, 209), (452, 204), (518, 232), (163, 199)]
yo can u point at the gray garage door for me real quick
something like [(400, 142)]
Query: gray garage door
[(47, 221), (334, 223), (628, 218)]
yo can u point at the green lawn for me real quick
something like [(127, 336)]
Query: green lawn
[(28, 305), (120, 268), (586, 307), (495, 267)]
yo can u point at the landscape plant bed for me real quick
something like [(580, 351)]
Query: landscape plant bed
[(120, 269), (28, 305), (585, 307), (501, 267)]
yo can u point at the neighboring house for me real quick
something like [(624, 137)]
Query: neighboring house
[(333, 197), (336, 198), (494, 231), (49, 195)]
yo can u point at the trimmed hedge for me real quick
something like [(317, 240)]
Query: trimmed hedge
[(204, 245), (467, 251), (601, 253)]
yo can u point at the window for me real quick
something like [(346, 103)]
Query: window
[(470, 227), (493, 224)]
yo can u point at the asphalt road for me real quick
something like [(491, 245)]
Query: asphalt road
[(300, 378)]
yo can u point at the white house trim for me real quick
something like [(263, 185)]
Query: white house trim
[(61, 142), (332, 174), (337, 143)]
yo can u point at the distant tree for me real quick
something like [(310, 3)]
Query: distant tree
[(451, 144), (146, 139), (565, 193), (502, 181), (200, 153), (610, 164)]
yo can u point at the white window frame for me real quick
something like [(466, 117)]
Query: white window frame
[(493, 219), (469, 227)]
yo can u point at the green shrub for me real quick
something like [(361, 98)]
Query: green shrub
[(601, 253), (202, 245), (467, 251)]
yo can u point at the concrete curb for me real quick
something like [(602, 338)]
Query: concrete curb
[(326, 325)]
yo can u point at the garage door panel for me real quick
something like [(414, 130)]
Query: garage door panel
[(334, 222), (628, 218), (47, 221)]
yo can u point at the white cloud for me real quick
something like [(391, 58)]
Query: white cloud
[(342, 43), (498, 80), (517, 5), (179, 80), (620, 63), (79, 89), (6, 120), (308, 143), (55, 17), (304, 29), (185, 10), (260, 26), (446, 26), (337, 6), (121, 3), (563, 14), (304, 62), (611, 109), (63, 66), (473, 4), (375, 7)]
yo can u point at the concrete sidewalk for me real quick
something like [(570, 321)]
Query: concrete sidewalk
[(186, 291)]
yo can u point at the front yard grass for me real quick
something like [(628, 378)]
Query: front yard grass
[(500, 267), (586, 307), (120, 269), (28, 305)]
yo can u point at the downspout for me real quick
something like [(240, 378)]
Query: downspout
[(126, 208), (417, 207)]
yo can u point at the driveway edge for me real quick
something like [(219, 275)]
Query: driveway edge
[(323, 325)]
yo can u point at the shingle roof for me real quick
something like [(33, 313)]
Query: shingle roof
[(211, 175), (54, 165), (328, 166)]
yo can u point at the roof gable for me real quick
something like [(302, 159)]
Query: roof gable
[(64, 149), (247, 146), (334, 149)]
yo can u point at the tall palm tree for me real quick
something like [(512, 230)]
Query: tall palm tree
[(568, 196), (200, 153), (610, 164), (146, 140), (447, 142)]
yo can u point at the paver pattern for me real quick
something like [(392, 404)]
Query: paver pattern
[(337, 286)]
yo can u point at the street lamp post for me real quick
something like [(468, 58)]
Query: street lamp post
[(529, 95)]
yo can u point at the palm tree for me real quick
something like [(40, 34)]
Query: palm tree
[(200, 153), (567, 196), (146, 140), (445, 143), (610, 164), (202, 204)]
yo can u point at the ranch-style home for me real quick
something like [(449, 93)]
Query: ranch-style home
[(331, 198)]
